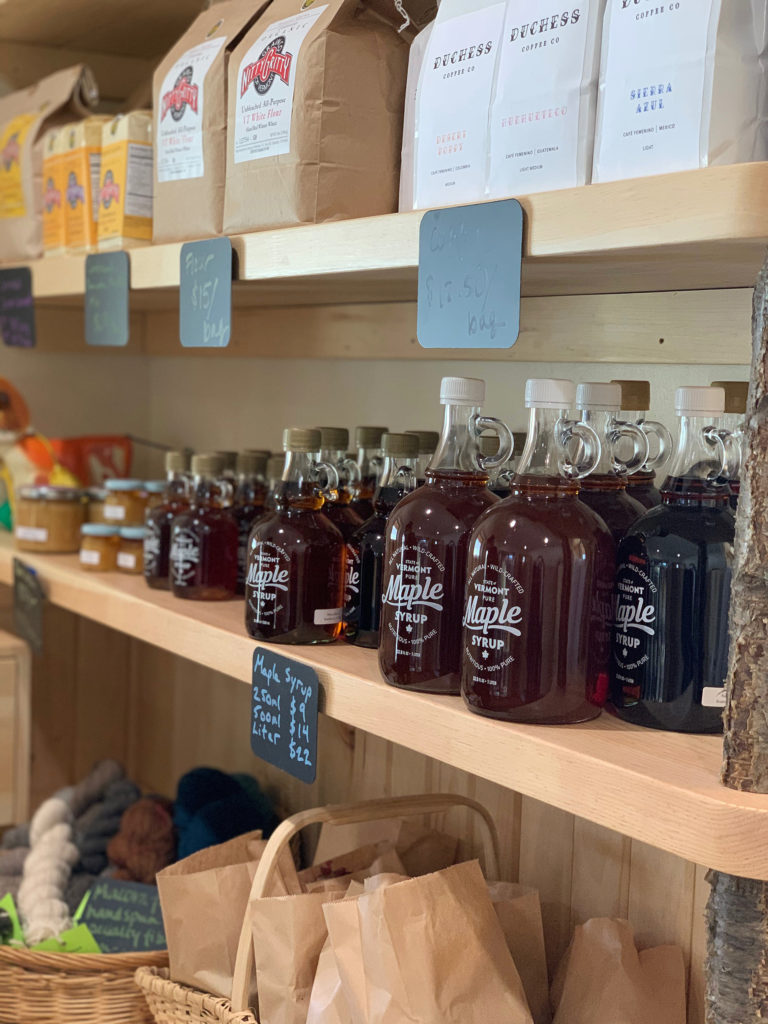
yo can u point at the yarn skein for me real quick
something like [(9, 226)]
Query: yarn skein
[(146, 842), (47, 868)]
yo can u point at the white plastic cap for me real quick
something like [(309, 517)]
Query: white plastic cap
[(599, 396), (700, 401), (462, 391), (549, 393)]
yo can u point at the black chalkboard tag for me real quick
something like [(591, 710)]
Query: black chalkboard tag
[(107, 283), (205, 295), (124, 917), (470, 260), (17, 307), (28, 604), (285, 698)]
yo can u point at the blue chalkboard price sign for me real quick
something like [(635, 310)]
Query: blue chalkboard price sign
[(284, 707), (205, 295), (107, 308), (17, 307), (470, 260), (124, 917)]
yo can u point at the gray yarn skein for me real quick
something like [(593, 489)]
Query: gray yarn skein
[(101, 826)]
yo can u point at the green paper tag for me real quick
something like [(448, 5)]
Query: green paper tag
[(8, 905), (81, 909), (74, 940)]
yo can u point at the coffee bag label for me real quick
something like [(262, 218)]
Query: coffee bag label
[(12, 136), (180, 117), (535, 116), (265, 83), (451, 116), (653, 100)]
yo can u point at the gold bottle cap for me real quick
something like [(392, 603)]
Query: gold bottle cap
[(635, 394), (208, 464), (428, 440), (369, 437), (403, 446), (251, 463), (736, 394), (301, 439), (176, 462), (334, 439)]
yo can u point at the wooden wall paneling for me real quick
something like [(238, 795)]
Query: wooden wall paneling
[(697, 980), (461, 821), (601, 869), (506, 807), (102, 695), (371, 767)]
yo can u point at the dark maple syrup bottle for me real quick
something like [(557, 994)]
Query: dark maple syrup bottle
[(635, 403), (333, 451), (426, 549), (157, 540), (250, 495), (296, 556), (736, 395), (605, 489), (673, 583), (539, 580), (428, 442), (204, 537), (365, 550), (369, 465)]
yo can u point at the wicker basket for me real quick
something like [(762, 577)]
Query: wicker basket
[(73, 988), (172, 1003)]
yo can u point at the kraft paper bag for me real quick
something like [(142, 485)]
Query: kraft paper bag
[(518, 909), (604, 980), (25, 116), (289, 933), (190, 103), (327, 1003), (203, 900), (421, 850), (386, 862)]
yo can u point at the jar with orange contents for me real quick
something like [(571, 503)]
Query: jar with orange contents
[(99, 543), (125, 502), (48, 519), (130, 556)]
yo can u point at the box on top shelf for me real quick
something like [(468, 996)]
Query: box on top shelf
[(54, 237), (190, 103), (125, 190), (24, 117), (82, 164), (315, 114)]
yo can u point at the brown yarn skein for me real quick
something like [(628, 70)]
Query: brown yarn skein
[(146, 842)]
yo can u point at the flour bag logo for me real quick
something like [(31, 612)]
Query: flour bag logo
[(182, 95), (75, 191), (273, 63), (109, 190), (11, 152), (51, 196)]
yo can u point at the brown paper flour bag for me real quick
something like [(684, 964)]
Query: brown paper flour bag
[(327, 1003), (421, 850), (604, 980), (518, 909), (24, 118), (315, 110), (356, 865), (203, 900), (190, 103)]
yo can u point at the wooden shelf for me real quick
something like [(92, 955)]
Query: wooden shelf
[(692, 230), (660, 788)]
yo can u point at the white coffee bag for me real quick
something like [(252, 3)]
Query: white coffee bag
[(415, 65), (454, 99), (682, 85), (545, 98)]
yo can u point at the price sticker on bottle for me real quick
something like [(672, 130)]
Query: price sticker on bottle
[(470, 262), (17, 307), (205, 295), (107, 312), (285, 702)]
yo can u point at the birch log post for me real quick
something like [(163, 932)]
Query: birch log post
[(737, 914)]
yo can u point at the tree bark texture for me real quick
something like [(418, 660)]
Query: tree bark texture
[(737, 913)]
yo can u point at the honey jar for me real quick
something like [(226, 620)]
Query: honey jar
[(48, 519), (154, 489), (125, 502), (130, 555), (99, 543)]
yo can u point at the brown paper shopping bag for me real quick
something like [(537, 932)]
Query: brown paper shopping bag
[(518, 909), (203, 900), (604, 980), (421, 850)]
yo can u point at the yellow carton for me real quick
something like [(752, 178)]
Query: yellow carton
[(82, 159), (125, 191), (54, 238)]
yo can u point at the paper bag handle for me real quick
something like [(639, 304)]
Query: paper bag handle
[(345, 814)]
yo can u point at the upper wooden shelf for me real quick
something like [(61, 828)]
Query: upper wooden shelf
[(660, 788), (692, 230)]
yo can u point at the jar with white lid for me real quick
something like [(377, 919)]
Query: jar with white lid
[(125, 503)]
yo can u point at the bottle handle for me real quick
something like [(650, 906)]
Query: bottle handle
[(506, 441), (226, 492), (652, 428), (407, 475), (728, 451), (331, 484), (618, 429), (588, 451), (348, 473)]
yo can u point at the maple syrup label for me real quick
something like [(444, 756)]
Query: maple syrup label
[(184, 558), (412, 602), (152, 545), (267, 582), (352, 578), (493, 621), (634, 623)]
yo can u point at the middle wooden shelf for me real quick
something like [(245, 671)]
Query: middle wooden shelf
[(661, 788)]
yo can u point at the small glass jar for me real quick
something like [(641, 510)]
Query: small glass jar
[(130, 555), (99, 543), (94, 510), (125, 503), (48, 519), (154, 490)]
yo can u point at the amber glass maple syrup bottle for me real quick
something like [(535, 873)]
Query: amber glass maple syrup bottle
[(157, 540), (426, 549), (365, 551), (673, 582), (296, 556), (333, 451), (204, 537), (369, 465), (605, 489), (539, 580), (635, 403), (250, 495)]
